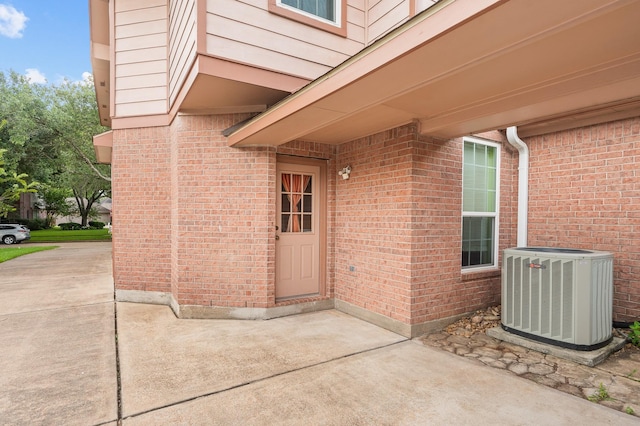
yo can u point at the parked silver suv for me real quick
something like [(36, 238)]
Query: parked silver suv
[(12, 233)]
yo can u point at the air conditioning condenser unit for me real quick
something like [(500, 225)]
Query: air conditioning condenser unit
[(560, 296)]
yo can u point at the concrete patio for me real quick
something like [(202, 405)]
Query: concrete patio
[(59, 365)]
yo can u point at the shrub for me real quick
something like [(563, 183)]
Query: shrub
[(36, 224), (70, 226), (96, 224), (634, 336), (32, 224)]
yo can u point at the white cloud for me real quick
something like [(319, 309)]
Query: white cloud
[(35, 76), (12, 22), (87, 78)]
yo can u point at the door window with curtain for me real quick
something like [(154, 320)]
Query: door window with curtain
[(480, 190), (297, 203), (325, 9)]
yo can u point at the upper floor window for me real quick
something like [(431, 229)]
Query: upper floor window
[(480, 190), (327, 15), (325, 9)]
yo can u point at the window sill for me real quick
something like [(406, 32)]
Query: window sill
[(477, 274)]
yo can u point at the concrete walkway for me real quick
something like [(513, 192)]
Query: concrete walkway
[(58, 363), (58, 358)]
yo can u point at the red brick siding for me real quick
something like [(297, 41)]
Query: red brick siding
[(585, 193), (224, 209), (405, 244), (373, 224), (141, 209), (440, 290), (398, 222)]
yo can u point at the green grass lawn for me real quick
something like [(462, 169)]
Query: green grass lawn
[(11, 252), (58, 235)]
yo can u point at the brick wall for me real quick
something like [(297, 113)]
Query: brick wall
[(393, 228), (398, 224), (585, 193), (141, 209), (440, 288), (223, 209), (374, 225)]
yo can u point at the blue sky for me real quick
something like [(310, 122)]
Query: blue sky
[(45, 39)]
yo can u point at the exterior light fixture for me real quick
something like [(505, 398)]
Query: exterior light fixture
[(345, 172)]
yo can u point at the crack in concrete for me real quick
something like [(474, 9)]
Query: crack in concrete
[(250, 382), (118, 378)]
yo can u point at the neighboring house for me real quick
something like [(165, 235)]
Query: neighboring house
[(231, 120), (102, 209), (28, 207)]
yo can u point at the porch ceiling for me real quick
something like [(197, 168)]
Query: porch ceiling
[(467, 66)]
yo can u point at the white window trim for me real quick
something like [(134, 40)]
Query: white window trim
[(495, 215), (337, 7)]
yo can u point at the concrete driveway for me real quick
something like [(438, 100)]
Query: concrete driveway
[(59, 365)]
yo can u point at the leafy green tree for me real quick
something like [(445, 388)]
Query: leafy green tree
[(54, 202), (87, 192), (73, 121), (11, 186), (48, 134), (30, 148)]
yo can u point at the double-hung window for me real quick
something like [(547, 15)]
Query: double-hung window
[(480, 190)]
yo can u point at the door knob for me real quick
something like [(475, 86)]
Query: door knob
[(277, 237)]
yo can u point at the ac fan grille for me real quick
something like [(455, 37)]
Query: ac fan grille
[(539, 300), (562, 298)]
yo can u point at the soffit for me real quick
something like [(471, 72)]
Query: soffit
[(100, 56), (103, 145), (507, 63), (221, 86), (211, 94)]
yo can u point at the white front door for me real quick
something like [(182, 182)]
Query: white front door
[(298, 231)]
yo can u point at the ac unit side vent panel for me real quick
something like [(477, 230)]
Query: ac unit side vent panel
[(563, 297)]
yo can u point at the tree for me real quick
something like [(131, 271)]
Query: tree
[(74, 120), (11, 186), (30, 147), (86, 193), (54, 202), (48, 132)]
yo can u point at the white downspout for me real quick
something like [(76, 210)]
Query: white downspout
[(523, 183)]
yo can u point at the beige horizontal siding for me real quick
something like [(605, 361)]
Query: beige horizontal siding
[(141, 108), (156, 43), (138, 81), (142, 13), (140, 57), (134, 95), (182, 42), (385, 15), (133, 30), (245, 31), (141, 69)]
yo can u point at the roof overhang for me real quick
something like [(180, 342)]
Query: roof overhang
[(99, 36), (218, 86), (467, 66), (103, 145)]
